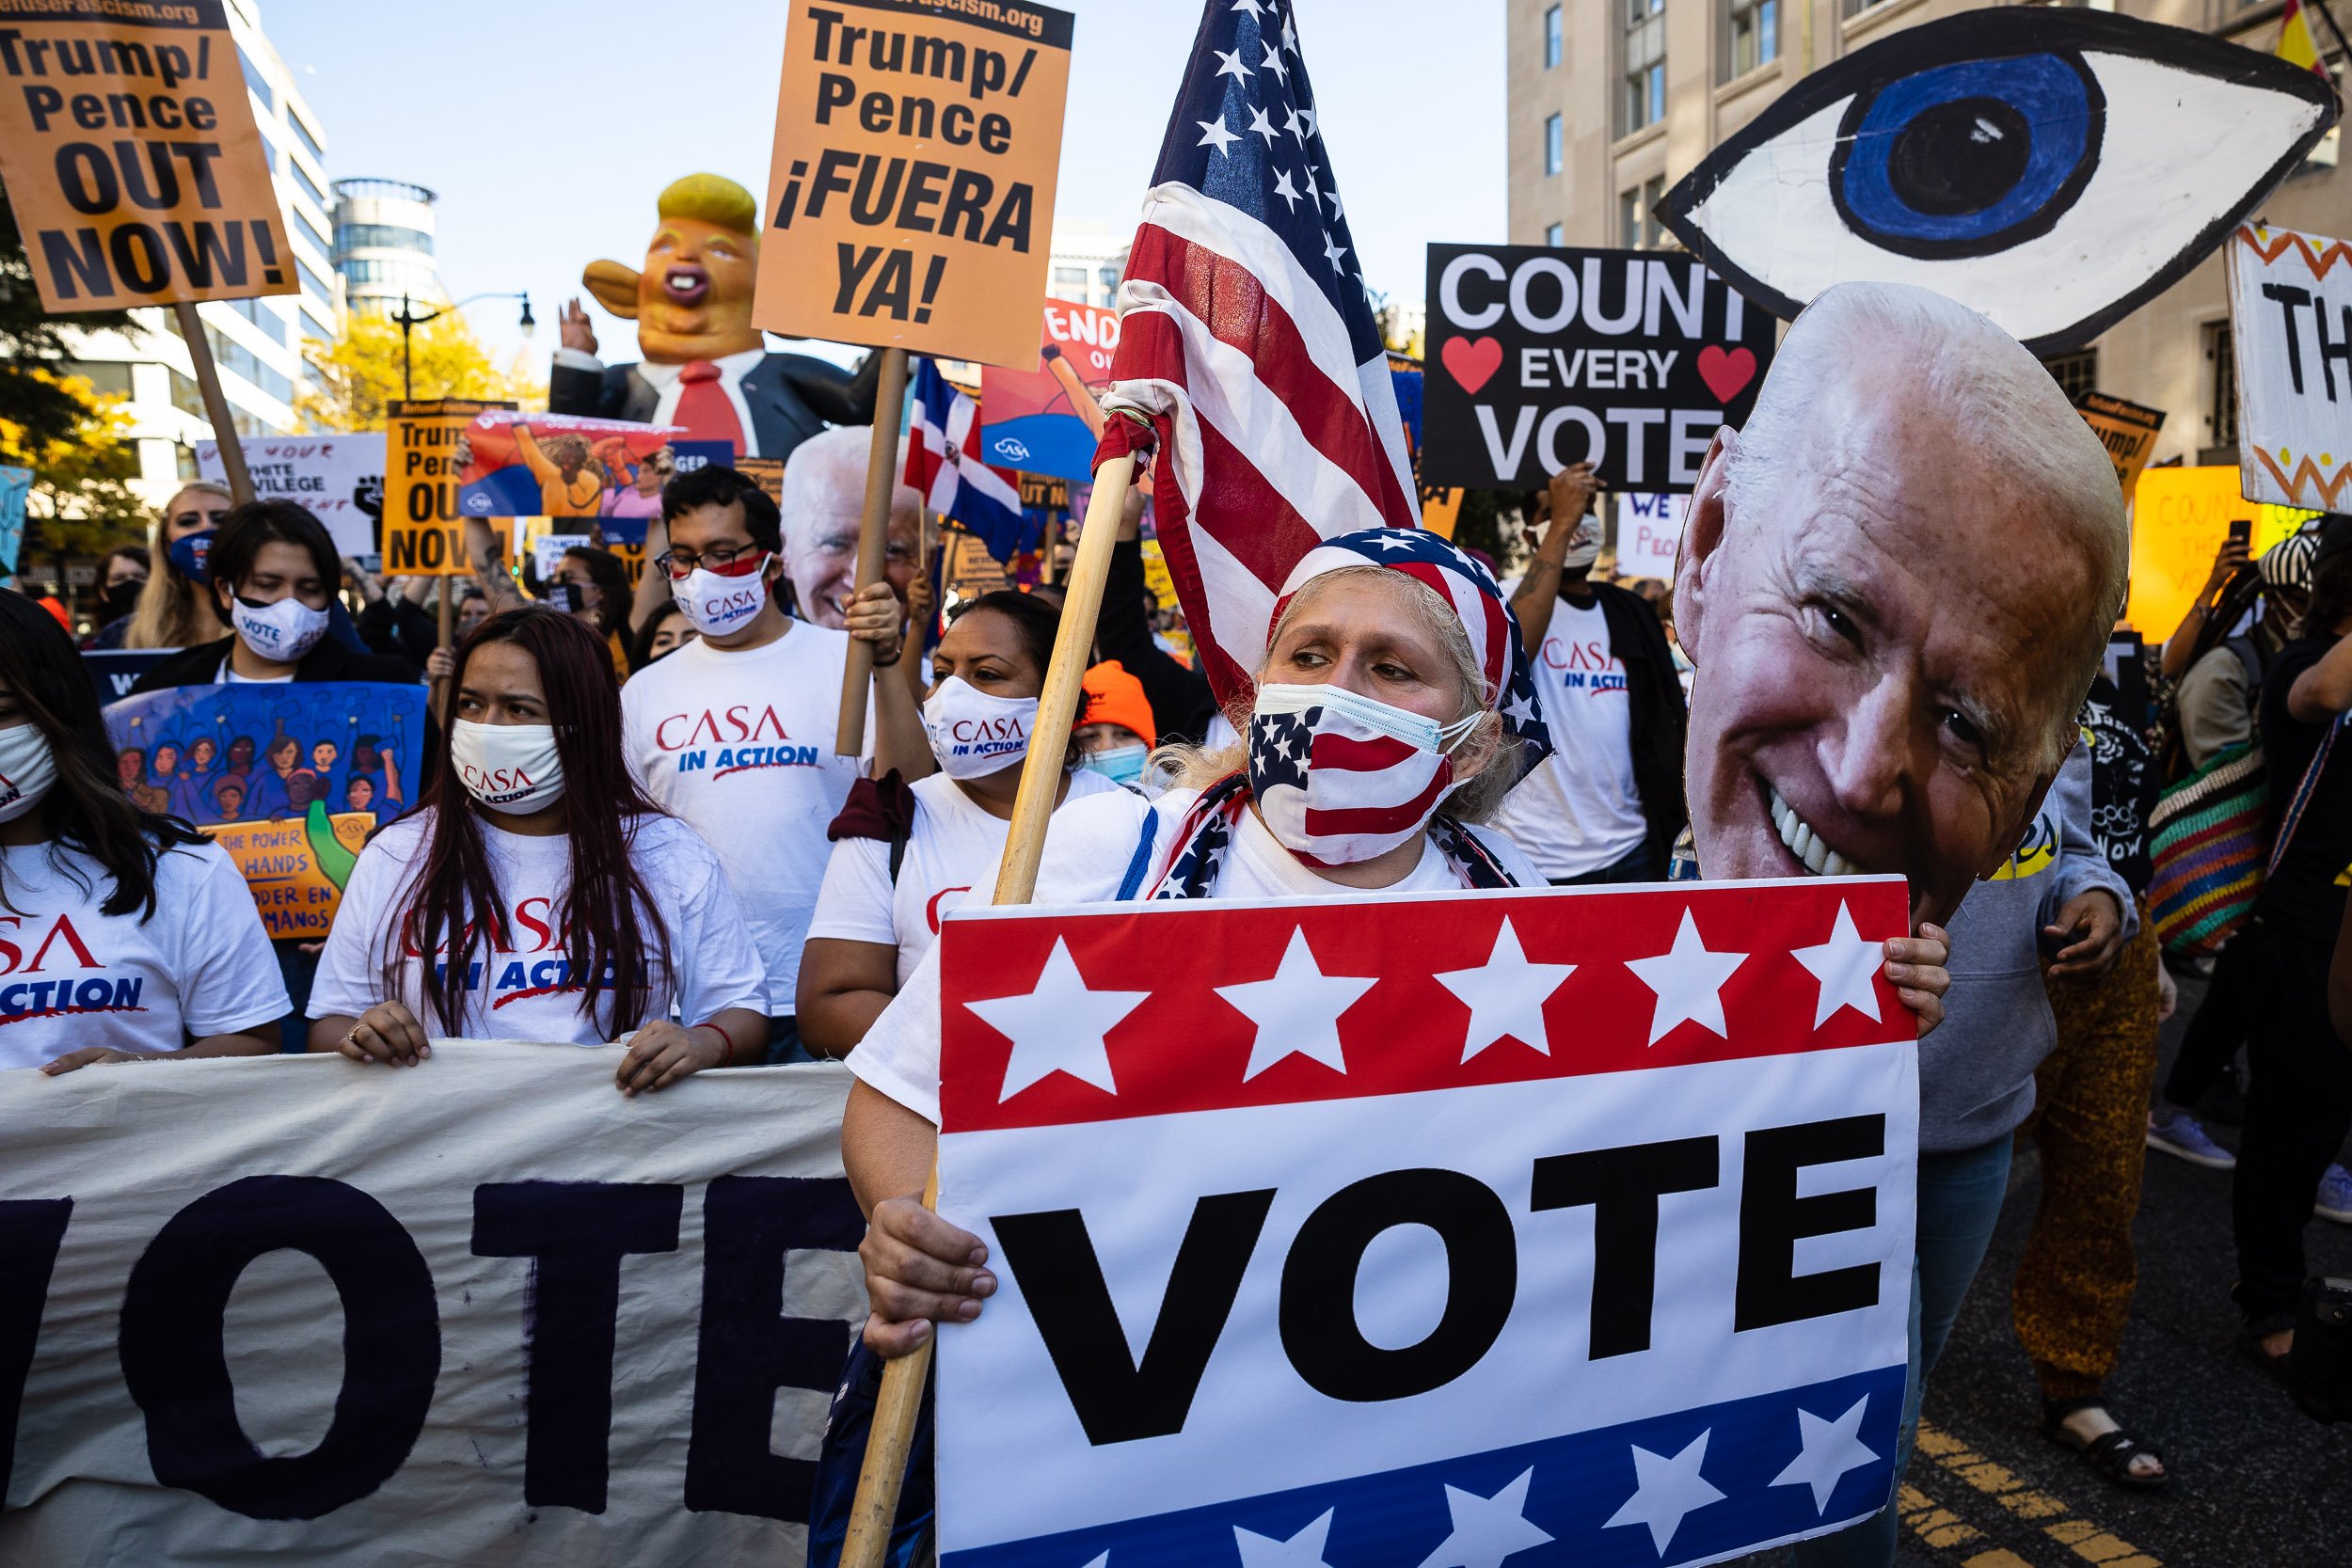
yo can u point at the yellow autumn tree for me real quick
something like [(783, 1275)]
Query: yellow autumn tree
[(360, 374), (81, 500)]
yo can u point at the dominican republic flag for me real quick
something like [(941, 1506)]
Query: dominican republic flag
[(1415, 1231), (942, 462), (1245, 332)]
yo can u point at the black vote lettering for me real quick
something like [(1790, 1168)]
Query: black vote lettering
[(575, 1234), (175, 1367), (1118, 1399), (31, 1231), (1772, 1218), (746, 1349), (1318, 1313), (1622, 1185)]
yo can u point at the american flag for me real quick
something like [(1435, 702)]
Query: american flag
[(941, 464), (1247, 334)]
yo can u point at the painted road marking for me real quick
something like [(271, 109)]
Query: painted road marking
[(1942, 1530)]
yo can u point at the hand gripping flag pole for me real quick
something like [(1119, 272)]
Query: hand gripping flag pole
[(876, 1508)]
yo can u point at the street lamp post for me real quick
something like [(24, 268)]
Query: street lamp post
[(410, 320)]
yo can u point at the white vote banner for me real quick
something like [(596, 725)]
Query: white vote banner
[(339, 478), (485, 1310), (2291, 327), (1650, 533)]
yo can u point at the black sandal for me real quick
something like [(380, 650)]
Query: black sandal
[(2249, 1344), (2110, 1453)]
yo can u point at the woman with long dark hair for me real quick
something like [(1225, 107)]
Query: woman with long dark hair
[(555, 901), (125, 934)]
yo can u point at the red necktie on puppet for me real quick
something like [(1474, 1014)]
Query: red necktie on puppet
[(704, 408)]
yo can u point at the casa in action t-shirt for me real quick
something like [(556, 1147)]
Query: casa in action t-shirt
[(73, 977), (739, 744), (527, 992), (952, 850), (1086, 860), (1580, 811)]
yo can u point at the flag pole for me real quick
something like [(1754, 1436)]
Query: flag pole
[(215, 402), (873, 539), (876, 1509)]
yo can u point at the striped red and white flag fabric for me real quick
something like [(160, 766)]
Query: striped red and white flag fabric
[(1247, 335)]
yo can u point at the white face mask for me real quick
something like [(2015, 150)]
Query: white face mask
[(508, 768), (974, 733), (1339, 777), (27, 770), (720, 605), (281, 632), (1584, 544)]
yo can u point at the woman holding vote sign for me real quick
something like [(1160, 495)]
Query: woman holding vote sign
[(557, 902)]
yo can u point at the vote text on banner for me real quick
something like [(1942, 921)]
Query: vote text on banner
[(289, 1308), (1580, 1220)]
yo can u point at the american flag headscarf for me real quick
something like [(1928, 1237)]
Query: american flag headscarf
[(1469, 590)]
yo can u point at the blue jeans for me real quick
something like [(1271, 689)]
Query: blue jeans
[(1960, 1202)]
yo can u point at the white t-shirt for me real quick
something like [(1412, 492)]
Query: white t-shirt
[(71, 976), (952, 850), (1580, 811), (1086, 856), (527, 992), (738, 744)]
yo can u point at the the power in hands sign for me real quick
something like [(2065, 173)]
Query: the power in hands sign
[(1428, 1229), (131, 156), (1626, 359)]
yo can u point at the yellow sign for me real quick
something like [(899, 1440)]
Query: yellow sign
[(1440, 509), (131, 158), (425, 535), (2180, 517), (282, 863), (2126, 430), (910, 192)]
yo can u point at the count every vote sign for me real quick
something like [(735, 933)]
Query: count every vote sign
[(1540, 357), (1559, 1227)]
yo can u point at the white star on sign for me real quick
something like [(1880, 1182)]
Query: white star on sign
[(1689, 981), (1058, 1027), (1829, 1449), (1273, 62), (1284, 188), (1233, 65), (1213, 133), (1665, 1490), (1297, 1011), (1332, 252), (1487, 1530), (1303, 1550), (1845, 965), (1260, 126), (1507, 997)]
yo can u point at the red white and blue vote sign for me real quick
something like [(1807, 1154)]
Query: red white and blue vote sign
[(1425, 1232)]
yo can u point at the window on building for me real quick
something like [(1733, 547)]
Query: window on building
[(1630, 218), (1553, 37), (309, 187), (1653, 197), (1637, 214), (1109, 277), (1754, 34), (310, 231), (110, 378), (254, 79), (186, 396), (380, 236), (1643, 100), (1555, 234), (1556, 145), (314, 283), (2075, 373), (1071, 283), (2221, 372), (304, 135), (316, 325), (183, 460)]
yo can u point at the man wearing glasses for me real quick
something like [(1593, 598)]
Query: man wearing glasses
[(734, 732)]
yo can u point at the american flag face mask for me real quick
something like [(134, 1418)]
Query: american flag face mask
[(1339, 777)]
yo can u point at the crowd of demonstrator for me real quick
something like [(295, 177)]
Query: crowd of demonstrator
[(555, 877)]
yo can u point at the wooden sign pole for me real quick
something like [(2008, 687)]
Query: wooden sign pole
[(215, 402), (873, 539), (900, 1399)]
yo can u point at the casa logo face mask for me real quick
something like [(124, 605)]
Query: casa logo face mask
[(27, 770), (508, 768), (722, 602), (973, 732)]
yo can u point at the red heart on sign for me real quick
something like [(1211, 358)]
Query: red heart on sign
[(1726, 373), (1471, 361)]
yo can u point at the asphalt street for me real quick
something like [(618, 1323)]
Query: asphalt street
[(2255, 1481)]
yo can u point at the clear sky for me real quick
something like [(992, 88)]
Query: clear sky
[(547, 126)]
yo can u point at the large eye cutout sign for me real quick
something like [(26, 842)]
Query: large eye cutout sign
[(2051, 169)]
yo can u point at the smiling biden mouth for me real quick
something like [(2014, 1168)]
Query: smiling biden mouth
[(1810, 850)]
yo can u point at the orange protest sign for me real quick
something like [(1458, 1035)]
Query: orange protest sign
[(910, 192), (2126, 430), (2180, 516), (130, 157), (424, 533)]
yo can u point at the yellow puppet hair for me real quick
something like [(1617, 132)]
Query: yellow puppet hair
[(711, 199)]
